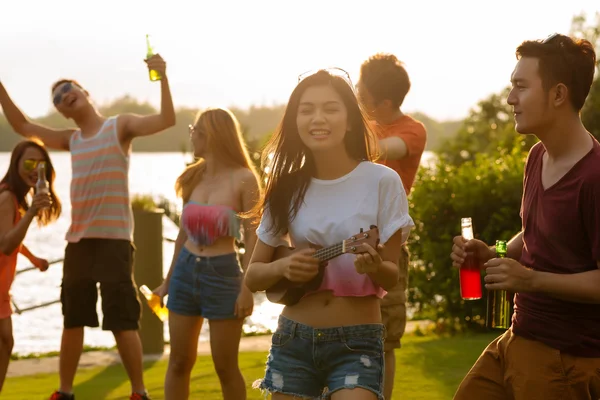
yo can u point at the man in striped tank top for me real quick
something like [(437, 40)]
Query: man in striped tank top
[(100, 238)]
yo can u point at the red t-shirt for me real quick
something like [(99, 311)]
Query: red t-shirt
[(414, 135), (561, 234)]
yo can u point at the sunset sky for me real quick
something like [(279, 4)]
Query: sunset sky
[(240, 53)]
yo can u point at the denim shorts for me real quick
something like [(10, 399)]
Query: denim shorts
[(315, 362), (205, 287)]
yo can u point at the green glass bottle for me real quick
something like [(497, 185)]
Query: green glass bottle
[(154, 75), (499, 311)]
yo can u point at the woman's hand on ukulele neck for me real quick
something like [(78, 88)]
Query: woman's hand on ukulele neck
[(369, 261)]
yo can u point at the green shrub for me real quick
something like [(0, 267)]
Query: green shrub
[(143, 202), (488, 189)]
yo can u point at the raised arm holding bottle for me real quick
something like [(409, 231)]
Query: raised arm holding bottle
[(100, 238)]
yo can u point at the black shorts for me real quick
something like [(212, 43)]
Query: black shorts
[(108, 262)]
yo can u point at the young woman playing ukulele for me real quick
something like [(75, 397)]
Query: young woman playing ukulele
[(323, 188)]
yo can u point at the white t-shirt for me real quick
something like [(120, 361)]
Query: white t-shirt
[(334, 210)]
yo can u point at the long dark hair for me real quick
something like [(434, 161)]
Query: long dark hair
[(292, 164), (12, 181)]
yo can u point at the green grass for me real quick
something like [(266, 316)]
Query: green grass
[(429, 368), (17, 356)]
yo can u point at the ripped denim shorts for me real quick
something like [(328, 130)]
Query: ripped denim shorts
[(313, 363)]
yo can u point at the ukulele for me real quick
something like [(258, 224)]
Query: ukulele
[(289, 293)]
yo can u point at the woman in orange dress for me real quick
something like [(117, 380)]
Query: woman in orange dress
[(15, 217)]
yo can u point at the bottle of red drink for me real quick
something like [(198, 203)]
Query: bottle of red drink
[(470, 270)]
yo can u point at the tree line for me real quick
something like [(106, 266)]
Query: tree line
[(257, 123)]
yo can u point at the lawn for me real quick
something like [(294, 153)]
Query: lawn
[(429, 368)]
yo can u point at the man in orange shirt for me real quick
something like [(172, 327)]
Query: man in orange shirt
[(382, 87)]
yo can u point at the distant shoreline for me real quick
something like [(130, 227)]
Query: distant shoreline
[(186, 155)]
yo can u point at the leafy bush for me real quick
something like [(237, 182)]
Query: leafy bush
[(590, 114), (143, 202), (488, 189)]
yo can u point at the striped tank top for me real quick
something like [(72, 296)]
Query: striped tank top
[(100, 205)]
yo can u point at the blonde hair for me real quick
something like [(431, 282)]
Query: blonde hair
[(224, 139)]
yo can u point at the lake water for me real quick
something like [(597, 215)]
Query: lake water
[(39, 330)]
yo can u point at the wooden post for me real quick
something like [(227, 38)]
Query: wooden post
[(148, 270)]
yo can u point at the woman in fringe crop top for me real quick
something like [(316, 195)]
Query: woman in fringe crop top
[(205, 280), (323, 189)]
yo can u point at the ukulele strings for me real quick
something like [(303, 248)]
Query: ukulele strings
[(330, 252)]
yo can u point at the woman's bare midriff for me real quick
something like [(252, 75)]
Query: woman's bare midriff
[(324, 310), (223, 245)]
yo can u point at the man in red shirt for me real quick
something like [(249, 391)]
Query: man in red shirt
[(382, 87), (552, 350)]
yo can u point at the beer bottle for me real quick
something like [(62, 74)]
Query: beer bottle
[(42, 185), (154, 303), (154, 75), (498, 302)]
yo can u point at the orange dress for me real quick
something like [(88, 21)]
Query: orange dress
[(8, 269)]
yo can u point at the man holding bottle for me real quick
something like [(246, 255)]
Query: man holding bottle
[(100, 237), (383, 85), (552, 350)]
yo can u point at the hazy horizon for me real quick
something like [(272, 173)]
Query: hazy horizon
[(250, 53)]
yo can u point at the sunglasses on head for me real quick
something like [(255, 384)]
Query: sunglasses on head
[(29, 165), (65, 88), (550, 38), (335, 71)]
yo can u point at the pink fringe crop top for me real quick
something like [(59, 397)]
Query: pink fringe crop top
[(205, 223)]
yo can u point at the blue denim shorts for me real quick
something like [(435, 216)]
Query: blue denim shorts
[(205, 286), (315, 362)]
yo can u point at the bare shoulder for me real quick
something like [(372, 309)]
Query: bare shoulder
[(123, 120), (248, 188), (6, 197), (245, 177), (7, 204)]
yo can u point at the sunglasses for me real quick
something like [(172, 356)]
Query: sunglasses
[(66, 88), (29, 165), (192, 129), (549, 38), (335, 71)]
